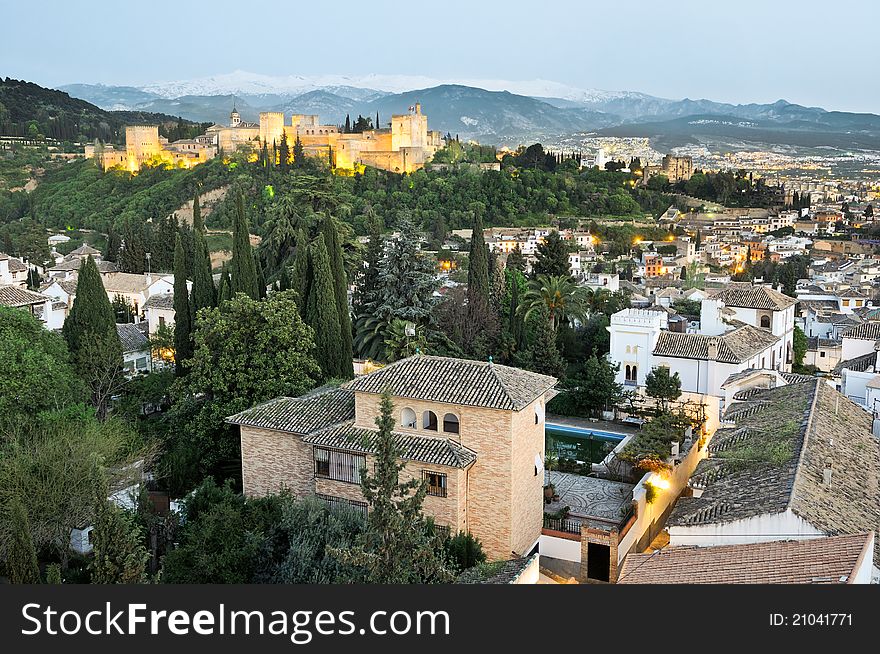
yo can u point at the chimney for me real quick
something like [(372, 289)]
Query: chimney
[(712, 348), (826, 473)]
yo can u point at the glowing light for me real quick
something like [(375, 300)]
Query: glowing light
[(658, 481)]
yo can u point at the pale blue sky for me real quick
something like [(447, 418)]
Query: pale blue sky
[(812, 52)]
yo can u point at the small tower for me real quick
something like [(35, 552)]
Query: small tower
[(234, 117)]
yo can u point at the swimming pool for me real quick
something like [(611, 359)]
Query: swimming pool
[(579, 443)]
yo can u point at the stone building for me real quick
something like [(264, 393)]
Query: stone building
[(473, 431), (143, 145), (676, 169)]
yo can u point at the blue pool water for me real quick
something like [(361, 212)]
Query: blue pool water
[(579, 443)]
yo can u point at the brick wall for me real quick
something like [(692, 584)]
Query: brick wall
[(272, 460)]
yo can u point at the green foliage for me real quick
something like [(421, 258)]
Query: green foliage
[(652, 444), (551, 258), (478, 269), (322, 314), (183, 346), (53, 574), (243, 267), (340, 291), (203, 292), (119, 553), (464, 550), (542, 354), (246, 352), (560, 298), (799, 347), (662, 386), (19, 552), (399, 545), (588, 391), (37, 368), (399, 344), (689, 308), (90, 332)]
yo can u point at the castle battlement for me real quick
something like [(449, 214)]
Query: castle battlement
[(640, 318)]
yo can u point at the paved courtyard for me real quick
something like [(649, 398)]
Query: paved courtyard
[(589, 496)]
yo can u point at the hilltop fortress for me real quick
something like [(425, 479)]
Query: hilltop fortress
[(406, 145)]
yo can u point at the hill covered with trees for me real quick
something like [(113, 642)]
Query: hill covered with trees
[(28, 109)]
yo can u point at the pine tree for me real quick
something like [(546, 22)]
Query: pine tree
[(243, 267), (284, 154), (183, 345), (340, 286), (552, 257), (397, 545), (119, 554), (299, 153), (322, 313), (301, 275), (478, 270), (90, 332), (367, 285), (203, 292), (21, 555)]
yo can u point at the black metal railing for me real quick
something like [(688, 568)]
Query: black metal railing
[(562, 524)]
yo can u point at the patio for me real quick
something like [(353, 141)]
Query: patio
[(589, 497)]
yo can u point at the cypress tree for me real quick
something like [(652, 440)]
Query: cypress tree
[(284, 283), (340, 285), (243, 267), (21, 557), (284, 154), (224, 292), (299, 154), (367, 288), (347, 128), (183, 345), (478, 269), (321, 313), (90, 332), (119, 554), (261, 279), (203, 292), (301, 276)]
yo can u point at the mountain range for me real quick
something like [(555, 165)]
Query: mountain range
[(493, 111)]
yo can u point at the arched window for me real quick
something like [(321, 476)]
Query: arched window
[(450, 423), (631, 373), (408, 418), (429, 420), (765, 322)]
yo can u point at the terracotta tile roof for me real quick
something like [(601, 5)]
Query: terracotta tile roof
[(132, 337), (866, 331), (16, 296), (76, 264), (300, 415), (15, 265), (735, 346), (857, 364), (754, 297), (84, 250), (438, 451), (502, 572), (773, 460), (456, 381), (830, 560)]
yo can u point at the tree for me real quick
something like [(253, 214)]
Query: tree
[(559, 296), (246, 352), (322, 314), (592, 388), (183, 347), (398, 545), (301, 271), (799, 347), (464, 550), (406, 279), (340, 290), (36, 364), (203, 292), (224, 290), (284, 154), (119, 552), (90, 332), (542, 354), (478, 269), (516, 260), (404, 339), (663, 387), (243, 267), (20, 554), (299, 153), (552, 257), (367, 280)]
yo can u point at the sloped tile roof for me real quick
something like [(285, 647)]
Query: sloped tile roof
[(84, 250), (866, 331), (300, 415), (754, 297), (438, 451), (16, 296), (456, 381), (132, 337), (735, 346), (857, 364), (810, 425), (830, 560), (15, 265), (160, 301)]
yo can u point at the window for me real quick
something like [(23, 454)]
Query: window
[(142, 363), (631, 374), (846, 303), (450, 423), (765, 322), (339, 466), (408, 418), (161, 321), (436, 482), (822, 355), (341, 502), (429, 420)]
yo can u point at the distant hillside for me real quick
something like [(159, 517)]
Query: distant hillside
[(29, 109)]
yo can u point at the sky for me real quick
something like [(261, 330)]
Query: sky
[(806, 51)]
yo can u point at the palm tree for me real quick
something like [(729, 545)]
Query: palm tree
[(403, 339), (560, 295)]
